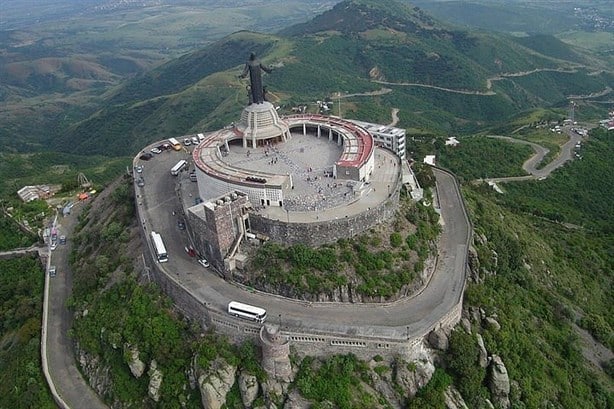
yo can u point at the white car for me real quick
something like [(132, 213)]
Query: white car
[(155, 150), (139, 169), (203, 262), (52, 271), (195, 141), (187, 142)]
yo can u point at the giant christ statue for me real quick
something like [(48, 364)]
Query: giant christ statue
[(255, 68)]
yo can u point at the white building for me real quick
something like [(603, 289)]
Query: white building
[(386, 136)]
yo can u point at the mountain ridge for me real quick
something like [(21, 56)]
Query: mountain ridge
[(314, 62)]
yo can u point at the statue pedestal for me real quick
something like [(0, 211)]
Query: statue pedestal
[(260, 122)]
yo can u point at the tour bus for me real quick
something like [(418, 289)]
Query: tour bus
[(174, 143), (161, 253), (247, 312), (181, 165)]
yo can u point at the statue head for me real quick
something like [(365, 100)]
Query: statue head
[(252, 56)]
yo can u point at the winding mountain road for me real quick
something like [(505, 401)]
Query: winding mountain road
[(530, 165), (491, 80), (414, 316)]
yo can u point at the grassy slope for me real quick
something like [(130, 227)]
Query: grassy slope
[(547, 277), (22, 384), (19, 170), (340, 51)]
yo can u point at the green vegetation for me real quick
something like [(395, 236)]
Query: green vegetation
[(579, 193), (462, 359), (53, 168), (360, 42), (550, 46), (11, 236), (380, 266), (541, 278), (543, 137), (431, 395), (22, 384), (336, 381), (123, 314), (481, 157)]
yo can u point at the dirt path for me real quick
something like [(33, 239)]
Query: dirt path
[(489, 84), (382, 91), (395, 117), (456, 91)]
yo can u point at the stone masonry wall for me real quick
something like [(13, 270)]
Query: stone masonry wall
[(316, 234)]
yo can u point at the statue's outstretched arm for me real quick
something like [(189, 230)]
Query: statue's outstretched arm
[(265, 68)]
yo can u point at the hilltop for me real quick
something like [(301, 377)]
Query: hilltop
[(445, 78)]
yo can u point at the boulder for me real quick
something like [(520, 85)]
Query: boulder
[(248, 386), (97, 375), (487, 404), (474, 315), (296, 401), (453, 399), (438, 339), (137, 367), (273, 389), (466, 325), (474, 265), (414, 375), (215, 383), (498, 382), (483, 354), (491, 323), (155, 381)]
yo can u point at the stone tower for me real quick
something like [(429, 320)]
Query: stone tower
[(275, 353)]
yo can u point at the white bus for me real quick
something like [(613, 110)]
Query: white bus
[(247, 312), (161, 253), (181, 165), (174, 143)]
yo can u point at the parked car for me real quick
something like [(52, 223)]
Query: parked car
[(138, 168), (52, 271), (180, 224), (54, 245), (203, 262), (190, 250), (187, 142), (62, 239), (140, 182), (146, 156), (156, 150), (194, 140)]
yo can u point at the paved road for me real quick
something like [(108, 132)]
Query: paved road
[(530, 165), (157, 200), (62, 367)]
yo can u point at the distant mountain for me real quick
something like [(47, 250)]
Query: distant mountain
[(442, 79)]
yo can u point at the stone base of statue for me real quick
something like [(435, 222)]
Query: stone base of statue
[(260, 124)]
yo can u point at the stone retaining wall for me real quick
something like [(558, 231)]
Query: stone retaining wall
[(319, 233)]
